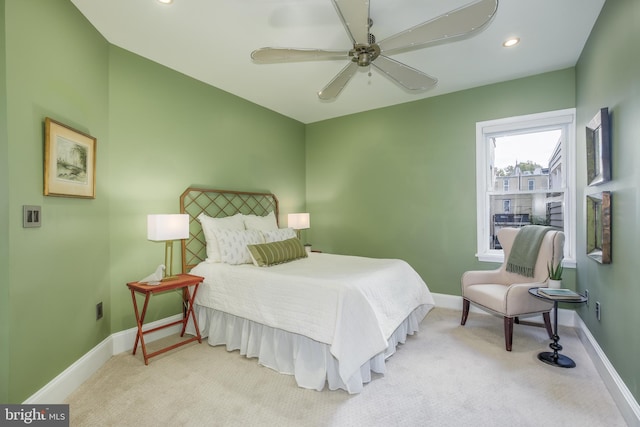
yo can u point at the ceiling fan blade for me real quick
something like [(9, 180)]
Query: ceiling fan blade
[(335, 86), (272, 55), (404, 75), (457, 23), (355, 18)]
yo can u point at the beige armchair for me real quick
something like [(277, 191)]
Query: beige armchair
[(507, 294)]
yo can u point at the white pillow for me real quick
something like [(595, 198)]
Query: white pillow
[(262, 223), (233, 245), (209, 225), (279, 235)]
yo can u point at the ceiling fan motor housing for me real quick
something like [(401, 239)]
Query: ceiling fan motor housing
[(364, 54)]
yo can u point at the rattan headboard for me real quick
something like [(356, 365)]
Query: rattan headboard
[(217, 204)]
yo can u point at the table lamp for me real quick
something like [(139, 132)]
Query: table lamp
[(167, 228), (299, 221)]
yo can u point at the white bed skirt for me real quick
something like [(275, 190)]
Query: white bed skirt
[(309, 361)]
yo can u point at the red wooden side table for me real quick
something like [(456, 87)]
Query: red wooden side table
[(182, 281)]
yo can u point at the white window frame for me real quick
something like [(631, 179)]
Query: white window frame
[(485, 131)]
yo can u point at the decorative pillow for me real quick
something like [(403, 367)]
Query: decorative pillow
[(262, 223), (209, 225), (279, 235), (233, 245), (267, 254)]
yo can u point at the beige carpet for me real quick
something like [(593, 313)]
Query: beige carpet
[(446, 375)]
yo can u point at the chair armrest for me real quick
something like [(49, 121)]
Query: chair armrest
[(520, 302), (523, 288), (475, 277)]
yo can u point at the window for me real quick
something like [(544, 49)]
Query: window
[(525, 169)]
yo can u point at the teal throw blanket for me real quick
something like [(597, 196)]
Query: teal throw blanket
[(524, 253)]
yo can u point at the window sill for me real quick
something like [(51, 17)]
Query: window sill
[(499, 259)]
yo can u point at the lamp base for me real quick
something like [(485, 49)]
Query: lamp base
[(168, 261)]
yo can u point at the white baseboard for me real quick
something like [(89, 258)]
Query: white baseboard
[(620, 393), (58, 389)]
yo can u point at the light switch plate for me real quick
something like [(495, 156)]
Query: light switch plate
[(31, 216)]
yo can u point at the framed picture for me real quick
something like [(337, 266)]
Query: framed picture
[(599, 149), (599, 227), (69, 162)]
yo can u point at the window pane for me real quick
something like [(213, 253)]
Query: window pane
[(518, 210), (525, 151), (523, 165)]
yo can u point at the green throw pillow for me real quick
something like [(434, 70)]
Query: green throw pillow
[(266, 254)]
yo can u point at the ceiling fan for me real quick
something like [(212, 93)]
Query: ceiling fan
[(367, 51)]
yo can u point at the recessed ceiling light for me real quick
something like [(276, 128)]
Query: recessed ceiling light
[(166, 1), (511, 42)]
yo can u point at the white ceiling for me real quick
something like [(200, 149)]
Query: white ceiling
[(211, 40)]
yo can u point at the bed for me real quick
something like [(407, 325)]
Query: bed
[(329, 320)]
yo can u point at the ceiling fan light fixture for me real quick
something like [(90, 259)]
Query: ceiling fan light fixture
[(510, 42)]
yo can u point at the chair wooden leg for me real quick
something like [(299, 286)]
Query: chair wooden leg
[(547, 324), (465, 310), (508, 332)]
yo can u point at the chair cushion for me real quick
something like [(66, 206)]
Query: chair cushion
[(491, 296), (510, 301)]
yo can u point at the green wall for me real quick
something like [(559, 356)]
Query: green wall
[(167, 132), (608, 75), (158, 132), (56, 66), (4, 220), (400, 181)]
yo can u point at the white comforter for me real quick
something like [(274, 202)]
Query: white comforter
[(353, 304)]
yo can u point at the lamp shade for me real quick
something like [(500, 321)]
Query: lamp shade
[(299, 221), (167, 227)]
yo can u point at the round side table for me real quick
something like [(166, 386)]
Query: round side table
[(554, 357)]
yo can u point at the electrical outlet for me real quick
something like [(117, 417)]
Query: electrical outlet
[(598, 310), (586, 294), (99, 311)]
